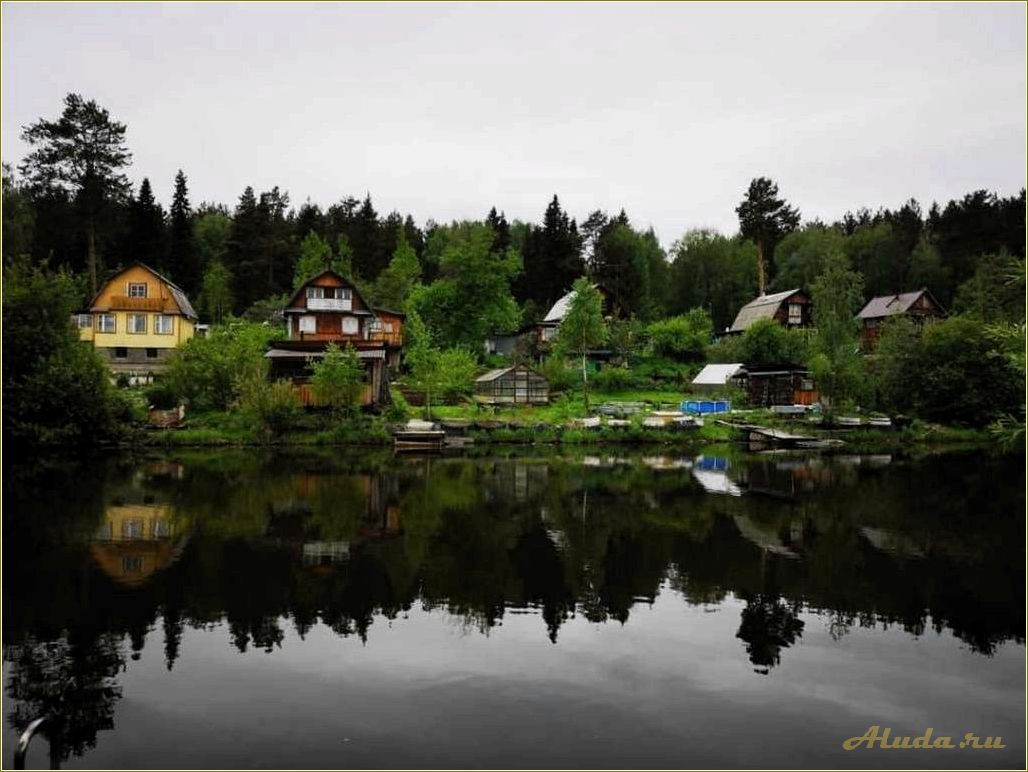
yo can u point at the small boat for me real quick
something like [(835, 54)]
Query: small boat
[(847, 421)]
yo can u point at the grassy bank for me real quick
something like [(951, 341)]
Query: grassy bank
[(549, 424)]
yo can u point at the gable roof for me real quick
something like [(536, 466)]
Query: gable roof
[(763, 307), (499, 372), (346, 282), (177, 293), (560, 309), (891, 305)]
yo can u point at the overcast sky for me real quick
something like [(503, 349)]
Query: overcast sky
[(445, 110)]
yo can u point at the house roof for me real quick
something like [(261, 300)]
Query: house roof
[(763, 307), (291, 305), (891, 305), (560, 309), (384, 310), (492, 375), (177, 293), (717, 375)]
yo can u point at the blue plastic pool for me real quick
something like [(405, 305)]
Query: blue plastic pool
[(706, 406)]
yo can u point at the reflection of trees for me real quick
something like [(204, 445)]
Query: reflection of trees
[(71, 684), (478, 536), (768, 625)]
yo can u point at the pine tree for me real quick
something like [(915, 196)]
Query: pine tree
[(243, 249), (552, 257), (395, 283), (500, 226), (315, 257), (764, 218), (183, 264), (146, 235)]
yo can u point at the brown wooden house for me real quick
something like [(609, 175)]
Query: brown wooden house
[(919, 306), (329, 309), (791, 308)]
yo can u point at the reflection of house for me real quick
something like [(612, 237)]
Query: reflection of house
[(790, 309), (136, 320), (329, 309), (919, 306), (711, 473), (136, 541), (507, 385)]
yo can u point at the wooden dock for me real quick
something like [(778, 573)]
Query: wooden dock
[(780, 437)]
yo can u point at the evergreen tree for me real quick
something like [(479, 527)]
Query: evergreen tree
[(315, 257), (552, 258), (243, 249), (764, 218), (501, 229), (146, 236), (183, 264), (396, 282), (82, 152)]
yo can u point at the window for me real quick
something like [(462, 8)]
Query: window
[(343, 293), (151, 353), (795, 313), (308, 324), (120, 352), (106, 323), (132, 529), (137, 290), (137, 323), (549, 333), (350, 325), (160, 528), (316, 292), (83, 321), (163, 324)]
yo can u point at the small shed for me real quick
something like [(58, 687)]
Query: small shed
[(512, 385)]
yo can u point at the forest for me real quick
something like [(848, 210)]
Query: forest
[(70, 208)]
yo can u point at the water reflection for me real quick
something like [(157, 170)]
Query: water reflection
[(98, 555)]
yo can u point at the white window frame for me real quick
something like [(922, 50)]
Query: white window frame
[(158, 324), (133, 289), (101, 325), (130, 327), (353, 323), (83, 321), (316, 293), (795, 313), (307, 323), (343, 293)]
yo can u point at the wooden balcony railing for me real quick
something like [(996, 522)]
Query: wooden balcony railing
[(124, 302)]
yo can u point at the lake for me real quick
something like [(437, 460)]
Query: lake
[(513, 608)]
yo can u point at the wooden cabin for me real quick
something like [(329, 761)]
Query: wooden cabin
[(791, 308), (779, 384), (518, 385), (136, 320), (920, 306), (328, 308)]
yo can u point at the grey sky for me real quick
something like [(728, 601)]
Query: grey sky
[(445, 110)]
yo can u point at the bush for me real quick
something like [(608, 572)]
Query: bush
[(271, 406), (55, 388), (161, 396), (764, 342), (610, 379), (205, 371), (339, 379), (561, 377), (399, 410), (682, 337), (457, 368)]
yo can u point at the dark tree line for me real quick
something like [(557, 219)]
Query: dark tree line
[(70, 204)]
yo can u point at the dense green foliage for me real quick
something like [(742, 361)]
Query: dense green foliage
[(338, 379), (583, 328), (835, 362), (205, 371), (271, 406), (55, 388), (683, 337), (764, 342)]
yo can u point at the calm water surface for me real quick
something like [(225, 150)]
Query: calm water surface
[(619, 609)]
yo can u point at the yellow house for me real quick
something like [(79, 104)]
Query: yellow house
[(136, 320)]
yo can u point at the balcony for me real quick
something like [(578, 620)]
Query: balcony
[(329, 304), (126, 303)]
